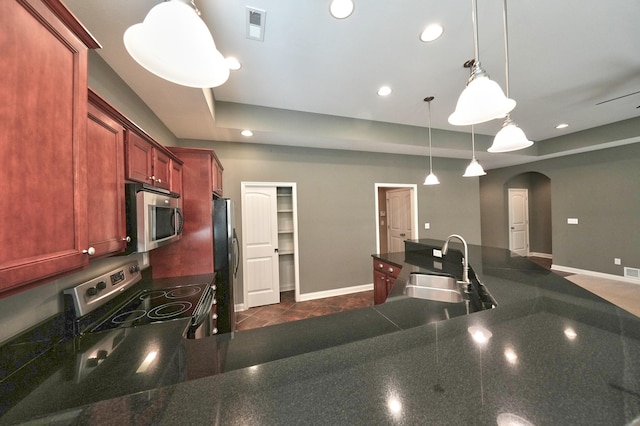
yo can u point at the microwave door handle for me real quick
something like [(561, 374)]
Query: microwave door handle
[(180, 220)]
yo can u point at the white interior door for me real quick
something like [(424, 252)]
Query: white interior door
[(519, 221), (398, 218), (260, 241)]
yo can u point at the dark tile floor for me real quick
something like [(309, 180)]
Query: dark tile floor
[(290, 310)]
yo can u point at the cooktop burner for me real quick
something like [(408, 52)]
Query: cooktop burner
[(153, 306)]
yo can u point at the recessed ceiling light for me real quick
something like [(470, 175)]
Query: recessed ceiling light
[(341, 9), (562, 126), (233, 63), (246, 133), (384, 91), (431, 33)]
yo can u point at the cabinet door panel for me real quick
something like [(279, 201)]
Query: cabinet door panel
[(139, 165), (43, 105), (106, 204), (161, 169), (176, 177)]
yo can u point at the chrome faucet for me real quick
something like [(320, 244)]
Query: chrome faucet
[(465, 259)]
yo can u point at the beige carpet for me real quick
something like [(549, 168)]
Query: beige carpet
[(623, 294)]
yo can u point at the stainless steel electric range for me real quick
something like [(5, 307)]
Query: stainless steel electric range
[(108, 302)]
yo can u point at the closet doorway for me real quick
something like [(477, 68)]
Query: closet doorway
[(270, 241)]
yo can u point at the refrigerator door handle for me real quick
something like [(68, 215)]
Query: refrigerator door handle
[(237, 253)]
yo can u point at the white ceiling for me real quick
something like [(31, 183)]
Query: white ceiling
[(313, 80)]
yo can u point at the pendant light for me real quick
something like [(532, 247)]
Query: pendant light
[(474, 168), (431, 179), (510, 137), (482, 100), (174, 43)]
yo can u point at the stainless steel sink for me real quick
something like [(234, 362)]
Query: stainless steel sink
[(438, 288)]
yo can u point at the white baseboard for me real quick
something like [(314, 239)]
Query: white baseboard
[(335, 292), (322, 294), (594, 274), (543, 255)]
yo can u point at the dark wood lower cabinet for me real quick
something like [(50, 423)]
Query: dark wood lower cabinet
[(384, 276)]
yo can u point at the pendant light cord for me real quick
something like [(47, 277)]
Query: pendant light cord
[(474, 19), (473, 144), (430, 157), (506, 47)]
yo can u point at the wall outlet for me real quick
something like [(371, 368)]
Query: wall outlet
[(437, 253), (427, 225), (617, 261), (572, 220)]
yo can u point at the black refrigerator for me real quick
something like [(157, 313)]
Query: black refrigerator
[(226, 258)]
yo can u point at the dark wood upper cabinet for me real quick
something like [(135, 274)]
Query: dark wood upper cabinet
[(105, 177), (139, 159), (149, 162), (43, 105)]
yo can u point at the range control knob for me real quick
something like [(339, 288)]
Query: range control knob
[(102, 354), (92, 291), (101, 285), (133, 269)]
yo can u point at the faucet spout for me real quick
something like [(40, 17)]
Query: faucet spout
[(465, 259)]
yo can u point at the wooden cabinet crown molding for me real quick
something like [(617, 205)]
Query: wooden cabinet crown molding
[(68, 18)]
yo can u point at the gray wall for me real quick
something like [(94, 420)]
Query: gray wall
[(601, 189), (336, 202), (104, 81)]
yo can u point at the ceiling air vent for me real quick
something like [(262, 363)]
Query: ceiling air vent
[(256, 19)]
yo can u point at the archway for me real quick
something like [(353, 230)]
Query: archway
[(538, 188)]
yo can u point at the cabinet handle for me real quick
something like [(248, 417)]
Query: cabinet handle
[(153, 178), (391, 270), (380, 266), (90, 251), (127, 239), (159, 180)]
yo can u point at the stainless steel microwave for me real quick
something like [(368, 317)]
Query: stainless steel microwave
[(154, 217)]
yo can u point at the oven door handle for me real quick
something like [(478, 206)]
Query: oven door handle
[(204, 309)]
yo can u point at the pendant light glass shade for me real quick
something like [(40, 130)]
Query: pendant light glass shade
[(509, 138), (431, 179), (474, 168), (174, 43), (341, 9), (482, 99)]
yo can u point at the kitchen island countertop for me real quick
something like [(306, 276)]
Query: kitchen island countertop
[(557, 355)]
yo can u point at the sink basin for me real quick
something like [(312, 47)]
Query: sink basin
[(439, 288)]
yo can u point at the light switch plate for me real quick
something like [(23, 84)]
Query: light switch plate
[(617, 261), (427, 225), (572, 220)]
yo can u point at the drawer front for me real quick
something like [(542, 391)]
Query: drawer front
[(387, 268)]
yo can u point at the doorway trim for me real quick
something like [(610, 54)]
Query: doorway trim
[(414, 208)]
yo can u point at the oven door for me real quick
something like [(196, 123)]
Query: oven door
[(202, 320)]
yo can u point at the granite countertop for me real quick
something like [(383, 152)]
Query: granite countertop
[(557, 355)]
